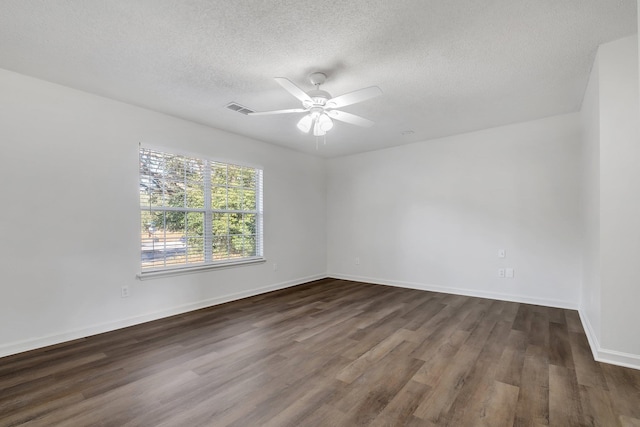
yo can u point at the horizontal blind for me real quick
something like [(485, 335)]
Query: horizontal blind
[(197, 211)]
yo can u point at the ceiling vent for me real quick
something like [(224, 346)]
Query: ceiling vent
[(239, 108)]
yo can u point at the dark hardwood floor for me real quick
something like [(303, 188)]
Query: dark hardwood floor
[(328, 353)]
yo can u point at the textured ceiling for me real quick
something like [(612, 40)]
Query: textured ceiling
[(445, 67)]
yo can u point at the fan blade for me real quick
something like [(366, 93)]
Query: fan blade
[(264, 113), (354, 97), (350, 118), (293, 89)]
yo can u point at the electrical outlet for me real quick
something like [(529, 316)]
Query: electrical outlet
[(357, 260), (501, 273), (124, 292), (509, 273), (502, 253)]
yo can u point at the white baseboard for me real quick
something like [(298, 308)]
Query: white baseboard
[(603, 355), (461, 291), (34, 343)]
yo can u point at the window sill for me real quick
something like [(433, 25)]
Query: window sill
[(153, 274)]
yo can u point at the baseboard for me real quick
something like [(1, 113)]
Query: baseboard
[(600, 354), (32, 344), (461, 291)]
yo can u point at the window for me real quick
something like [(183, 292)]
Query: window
[(197, 212)]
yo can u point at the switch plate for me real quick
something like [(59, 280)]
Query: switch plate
[(357, 260), (275, 266), (502, 253), (501, 273), (509, 272)]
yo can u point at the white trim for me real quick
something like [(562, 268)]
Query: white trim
[(178, 271), (603, 355), (32, 344), (461, 291)]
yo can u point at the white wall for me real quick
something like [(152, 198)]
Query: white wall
[(433, 215), (620, 195), (591, 297), (69, 223), (611, 202)]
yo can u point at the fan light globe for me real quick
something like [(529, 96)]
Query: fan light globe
[(305, 124), (317, 129), (325, 122)]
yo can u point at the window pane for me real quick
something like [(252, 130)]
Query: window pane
[(219, 174), (174, 168), (195, 195), (249, 178), (194, 170), (235, 198), (150, 191), (171, 221), (219, 198), (220, 224), (248, 224), (220, 247), (195, 250), (249, 200), (151, 163), (236, 246), (174, 194), (235, 176), (249, 246), (235, 223), (175, 248), (195, 224), (160, 245)]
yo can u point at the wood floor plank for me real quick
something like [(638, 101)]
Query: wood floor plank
[(533, 400), (559, 346), (469, 403), (383, 382), (624, 387), (596, 406), (512, 359), (328, 353), (565, 406), (498, 408), (629, 422), (400, 409)]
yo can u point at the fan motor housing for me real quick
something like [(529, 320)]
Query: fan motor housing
[(319, 97)]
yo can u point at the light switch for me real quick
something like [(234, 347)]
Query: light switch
[(502, 253)]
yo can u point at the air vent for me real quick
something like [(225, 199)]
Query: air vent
[(239, 108)]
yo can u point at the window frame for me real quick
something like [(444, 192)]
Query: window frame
[(208, 213)]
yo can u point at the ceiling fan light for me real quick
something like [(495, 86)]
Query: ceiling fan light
[(317, 129), (326, 124), (305, 123)]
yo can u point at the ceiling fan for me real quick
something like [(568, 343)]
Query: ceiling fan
[(321, 107)]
